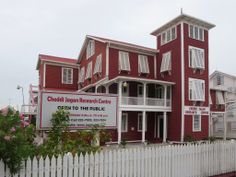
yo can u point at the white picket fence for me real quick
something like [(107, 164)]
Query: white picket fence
[(154, 161)]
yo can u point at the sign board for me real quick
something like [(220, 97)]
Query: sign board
[(192, 110), (84, 110)]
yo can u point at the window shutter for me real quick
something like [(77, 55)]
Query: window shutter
[(219, 98), (98, 65), (124, 64), (89, 71), (166, 62), (81, 75), (143, 66)]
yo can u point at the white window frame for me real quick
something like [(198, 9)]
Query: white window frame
[(140, 118), (81, 75), (197, 56), (124, 129), (143, 65), (89, 71), (65, 78), (196, 33), (166, 62), (124, 63), (192, 91), (195, 129), (169, 32), (98, 65), (90, 50)]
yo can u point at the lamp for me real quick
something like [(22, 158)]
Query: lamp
[(125, 84), (18, 88)]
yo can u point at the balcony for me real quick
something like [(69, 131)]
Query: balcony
[(29, 109), (149, 101)]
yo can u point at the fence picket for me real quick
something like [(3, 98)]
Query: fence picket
[(47, 167), (96, 164), (70, 161), (65, 165), (35, 167), (76, 165), (91, 165), (53, 167), (86, 165), (81, 165), (41, 167), (101, 167), (59, 166)]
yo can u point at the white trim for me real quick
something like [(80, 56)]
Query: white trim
[(44, 75), (107, 59), (163, 42), (182, 81), (200, 123), (62, 64), (155, 67), (138, 122), (126, 124)]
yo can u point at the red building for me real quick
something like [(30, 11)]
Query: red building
[(163, 92)]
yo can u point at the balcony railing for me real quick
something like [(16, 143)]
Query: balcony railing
[(149, 101), (29, 109)]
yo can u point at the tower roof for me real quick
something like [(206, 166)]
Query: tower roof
[(185, 18)]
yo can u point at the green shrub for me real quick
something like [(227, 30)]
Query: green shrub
[(16, 141)]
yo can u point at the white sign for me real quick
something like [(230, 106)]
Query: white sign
[(84, 110), (192, 110)]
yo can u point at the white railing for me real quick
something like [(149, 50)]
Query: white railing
[(189, 160), (149, 101), (29, 109)]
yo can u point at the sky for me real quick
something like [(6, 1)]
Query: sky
[(58, 27)]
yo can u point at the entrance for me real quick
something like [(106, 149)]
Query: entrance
[(158, 130)]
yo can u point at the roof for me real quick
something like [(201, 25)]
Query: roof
[(54, 59), (117, 43), (221, 73), (186, 18)]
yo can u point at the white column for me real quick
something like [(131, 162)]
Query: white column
[(144, 93), (143, 126), (164, 127), (96, 89), (119, 111), (107, 89), (165, 95)]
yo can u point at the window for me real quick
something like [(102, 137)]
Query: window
[(140, 122), (89, 71), (124, 64), (219, 79), (143, 66), (196, 89), (196, 58), (90, 49), (159, 91), (81, 75), (98, 65), (196, 32), (166, 62), (124, 122), (125, 89), (196, 123), (140, 90), (219, 98), (67, 75), (168, 35)]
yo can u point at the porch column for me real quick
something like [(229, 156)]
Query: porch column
[(165, 95), (144, 93), (143, 126), (96, 88), (119, 110), (225, 126), (107, 89), (164, 127)]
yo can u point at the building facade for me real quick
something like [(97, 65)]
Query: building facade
[(163, 92)]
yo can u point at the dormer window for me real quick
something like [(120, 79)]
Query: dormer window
[(219, 79), (67, 76), (143, 66), (98, 65), (89, 71), (90, 49), (168, 35), (196, 58), (124, 64), (196, 32), (166, 62)]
